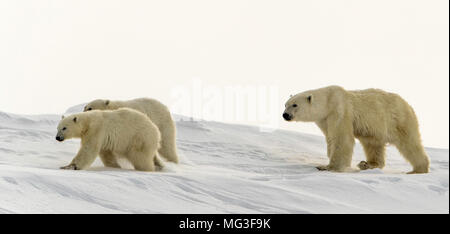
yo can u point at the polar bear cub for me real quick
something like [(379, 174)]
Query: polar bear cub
[(373, 116), (156, 111), (111, 134)]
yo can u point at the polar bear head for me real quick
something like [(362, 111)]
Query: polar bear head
[(99, 104), (309, 106), (69, 127)]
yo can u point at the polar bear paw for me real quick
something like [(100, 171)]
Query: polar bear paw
[(71, 166), (322, 168), (363, 165)]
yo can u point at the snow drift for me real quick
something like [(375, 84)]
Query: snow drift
[(224, 169)]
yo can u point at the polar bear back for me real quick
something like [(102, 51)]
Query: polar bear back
[(379, 113), (123, 129), (155, 110)]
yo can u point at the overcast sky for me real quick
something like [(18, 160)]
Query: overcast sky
[(56, 54)]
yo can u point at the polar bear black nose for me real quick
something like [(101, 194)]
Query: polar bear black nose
[(286, 116), (58, 138)]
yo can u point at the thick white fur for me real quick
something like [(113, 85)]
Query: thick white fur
[(112, 134), (156, 111), (373, 116)]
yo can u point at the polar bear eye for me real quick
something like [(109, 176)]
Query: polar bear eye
[(295, 105), (89, 109), (64, 128)]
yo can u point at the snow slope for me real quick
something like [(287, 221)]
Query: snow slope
[(224, 169)]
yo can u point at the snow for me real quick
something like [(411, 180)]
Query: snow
[(224, 169)]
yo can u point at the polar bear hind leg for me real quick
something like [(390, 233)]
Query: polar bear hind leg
[(412, 150), (141, 161), (168, 147), (158, 162)]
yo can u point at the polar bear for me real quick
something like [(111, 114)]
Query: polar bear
[(111, 134), (373, 116), (156, 111)]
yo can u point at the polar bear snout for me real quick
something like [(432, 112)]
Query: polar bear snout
[(287, 116), (59, 138)]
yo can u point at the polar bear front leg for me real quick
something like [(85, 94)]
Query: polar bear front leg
[(109, 158), (84, 158), (329, 153), (340, 143)]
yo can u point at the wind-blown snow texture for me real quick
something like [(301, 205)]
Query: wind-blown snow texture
[(224, 169)]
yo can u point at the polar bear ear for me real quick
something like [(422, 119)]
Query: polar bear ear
[(291, 95), (309, 98), (75, 119), (107, 102)]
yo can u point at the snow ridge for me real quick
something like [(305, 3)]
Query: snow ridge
[(224, 169)]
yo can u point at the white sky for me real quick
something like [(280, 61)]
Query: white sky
[(56, 54)]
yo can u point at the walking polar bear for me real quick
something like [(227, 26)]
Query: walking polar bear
[(156, 111), (373, 116), (112, 134)]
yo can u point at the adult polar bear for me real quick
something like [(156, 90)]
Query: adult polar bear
[(373, 116), (156, 111), (111, 134)]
